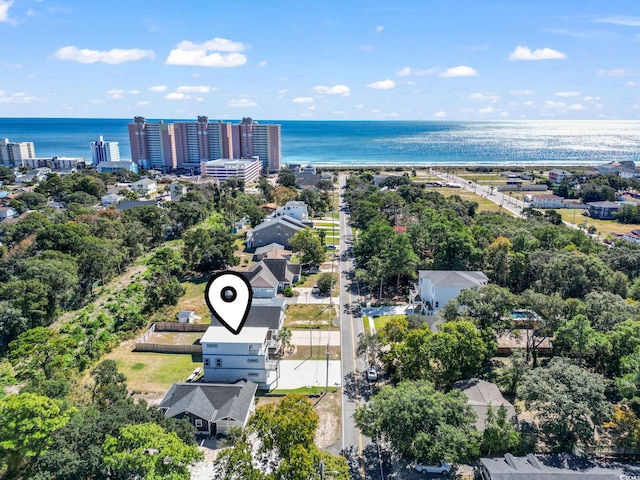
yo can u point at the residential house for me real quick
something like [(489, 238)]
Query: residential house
[(229, 358), (212, 408), (110, 166), (481, 396), (294, 209), (558, 175), (186, 316), (307, 180), (633, 236), (617, 167), (603, 210), (145, 186), (273, 250), (546, 201), (274, 230), (7, 212), (271, 275), (35, 175), (561, 466), (111, 199), (437, 287), (264, 313), (176, 191)]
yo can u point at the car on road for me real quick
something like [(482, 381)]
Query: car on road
[(441, 467), (372, 374), (331, 247), (315, 290)]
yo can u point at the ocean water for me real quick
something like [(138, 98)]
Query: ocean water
[(354, 143)]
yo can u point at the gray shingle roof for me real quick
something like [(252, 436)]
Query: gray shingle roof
[(454, 278), (481, 395), (210, 401)]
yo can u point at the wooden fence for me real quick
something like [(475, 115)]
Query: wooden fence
[(143, 346), (167, 348)]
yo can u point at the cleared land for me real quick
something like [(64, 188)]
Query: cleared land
[(603, 227), (311, 316)]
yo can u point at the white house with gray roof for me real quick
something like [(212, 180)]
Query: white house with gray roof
[(437, 287), (293, 208)]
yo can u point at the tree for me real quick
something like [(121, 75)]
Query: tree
[(266, 188), (109, 387), (308, 243), (569, 402), (399, 258), (6, 175), (286, 178), (625, 427), (32, 200), (161, 290), (26, 424), (499, 436), (283, 337), (325, 282), (148, 451), (236, 464), (39, 351), (422, 423), (168, 260), (207, 249), (489, 306)]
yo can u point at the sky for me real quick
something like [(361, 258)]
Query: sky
[(321, 59)]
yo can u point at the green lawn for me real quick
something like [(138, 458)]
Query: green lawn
[(381, 321), (603, 227), (152, 372), (484, 204), (314, 316)]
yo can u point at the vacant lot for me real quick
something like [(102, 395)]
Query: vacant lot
[(175, 338), (603, 227)]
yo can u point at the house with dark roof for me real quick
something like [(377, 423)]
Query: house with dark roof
[(274, 230), (437, 287), (211, 408), (481, 396), (561, 466), (273, 250), (271, 275), (307, 180), (264, 312), (603, 210)]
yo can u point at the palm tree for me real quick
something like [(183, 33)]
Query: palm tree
[(284, 339)]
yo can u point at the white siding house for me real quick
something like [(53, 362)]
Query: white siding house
[(437, 287), (295, 209)]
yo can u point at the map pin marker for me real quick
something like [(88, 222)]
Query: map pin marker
[(228, 296)]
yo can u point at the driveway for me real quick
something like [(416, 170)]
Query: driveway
[(306, 373)]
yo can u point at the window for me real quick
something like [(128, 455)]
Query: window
[(437, 304), (218, 362), (252, 360), (198, 423), (212, 345), (253, 374), (206, 362)]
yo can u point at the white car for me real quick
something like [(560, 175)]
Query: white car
[(372, 374), (441, 467)]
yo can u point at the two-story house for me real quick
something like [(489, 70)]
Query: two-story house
[(229, 358), (274, 230), (271, 275), (145, 186), (295, 209), (437, 287)]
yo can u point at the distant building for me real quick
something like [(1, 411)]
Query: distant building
[(276, 230), (481, 396), (251, 139), (152, 144), (107, 167), (111, 199), (546, 201), (7, 212), (145, 186), (603, 210), (295, 209), (176, 191), (53, 163), (102, 151), (617, 167), (186, 316), (437, 287), (558, 175), (224, 169), (12, 152)]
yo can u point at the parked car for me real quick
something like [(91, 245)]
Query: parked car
[(315, 290), (372, 374), (441, 467), (331, 247)]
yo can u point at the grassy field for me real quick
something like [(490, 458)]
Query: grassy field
[(311, 317), (484, 204), (152, 373), (311, 280), (603, 227), (381, 321)]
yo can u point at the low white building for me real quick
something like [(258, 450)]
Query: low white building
[(228, 357), (547, 200), (7, 212), (246, 170), (437, 287), (111, 199), (145, 186), (295, 209)]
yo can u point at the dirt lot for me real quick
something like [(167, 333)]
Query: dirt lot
[(175, 338)]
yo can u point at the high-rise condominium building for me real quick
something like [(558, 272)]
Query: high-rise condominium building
[(102, 151), (188, 144), (252, 139), (12, 153)]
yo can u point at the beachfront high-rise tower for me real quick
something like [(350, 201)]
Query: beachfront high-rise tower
[(152, 144), (12, 153), (102, 151), (251, 139)]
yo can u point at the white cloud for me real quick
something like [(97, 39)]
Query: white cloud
[(4, 10), (143, 103), (504, 114), (632, 84), (335, 90), (407, 71), (616, 72), (208, 54), (134, 92), (177, 96), (17, 97), (283, 91), (96, 101), (521, 92), (194, 89), (158, 88), (312, 107), (382, 85), (263, 63), (112, 57), (115, 93), (440, 114), (529, 103), (487, 110), (620, 20), (460, 71), (11, 65), (303, 100), (490, 97), (379, 28), (525, 53), (567, 94), (241, 103), (575, 107)]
